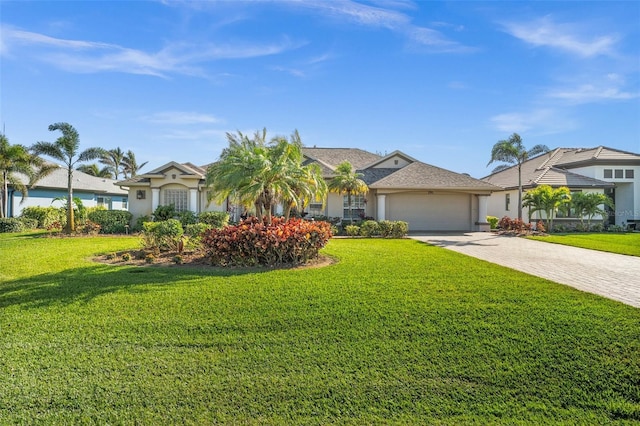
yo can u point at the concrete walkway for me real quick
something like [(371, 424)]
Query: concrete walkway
[(614, 276)]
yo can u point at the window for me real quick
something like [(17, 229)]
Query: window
[(618, 174), (177, 197), (104, 202), (608, 173), (569, 211), (141, 194), (357, 206), (507, 201), (628, 174), (315, 209), (125, 203)]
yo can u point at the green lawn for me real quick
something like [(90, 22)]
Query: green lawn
[(396, 332), (628, 243)]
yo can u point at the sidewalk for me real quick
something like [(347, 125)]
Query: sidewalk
[(614, 276)]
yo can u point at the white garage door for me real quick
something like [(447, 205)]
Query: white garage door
[(434, 212)]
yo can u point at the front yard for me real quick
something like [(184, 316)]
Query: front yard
[(621, 243), (395, 332)]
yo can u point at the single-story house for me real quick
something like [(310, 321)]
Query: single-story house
[(400, 188), (91, 190), (601, 169)]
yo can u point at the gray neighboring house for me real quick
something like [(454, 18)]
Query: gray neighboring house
[(601, 169), (91, 190), (400, 188)]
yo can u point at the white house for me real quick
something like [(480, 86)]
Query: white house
[(91, 190), (400, 188), (606, 170)]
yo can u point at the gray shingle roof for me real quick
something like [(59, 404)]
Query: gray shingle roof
[(420, 175), (551, 168), (334, 156), (81, 182)]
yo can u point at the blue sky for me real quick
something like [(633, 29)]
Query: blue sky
[(440, 81)]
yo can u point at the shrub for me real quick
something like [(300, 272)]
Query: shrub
[(369, 228), (178, 259), (111, 221), (597, 227), (89, 228), (540, 226), (111, 256), (163, 213), (581, 227), (164, 236), (214, 219), (45, 216), (187, 217), (28, 223), (11, 224), (150, 258), (352, 230), (517, 225), (615, 228), (252, 242), (194, 233), (140, 223), (126, 257), (493, 221), (400, 229), (386, 228)]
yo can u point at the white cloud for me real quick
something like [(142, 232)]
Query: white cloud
[(566, 37), (540, 121), (181, 117), (591, 93), (89, 56)]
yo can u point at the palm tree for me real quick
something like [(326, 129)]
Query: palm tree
[(114, 160), (512, 151), (130, 166), (65, 149), (255, 173), (588, 204), (14, 160), (549, 200), (94, 170), (347, 181)]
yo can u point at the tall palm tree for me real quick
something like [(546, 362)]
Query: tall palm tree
[(549, 200), (65, 149), (347, 181), (130, 165), (512, 151), (15, 160), (94, 170), (255, 173), (588, 204), (114, 160)]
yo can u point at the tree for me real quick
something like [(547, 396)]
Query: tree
[(588, 204), (15, 160), (258, 174), (65, 149), (130, 165), (94, 170), (547, 199), (347, 181), (113, 159), (512, 151)]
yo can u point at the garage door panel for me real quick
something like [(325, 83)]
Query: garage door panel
[(431, 212)]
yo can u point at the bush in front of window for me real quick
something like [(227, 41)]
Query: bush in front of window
[(369, 228), (111, 221), (352, 230)]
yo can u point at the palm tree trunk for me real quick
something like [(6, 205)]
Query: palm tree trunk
[(519, 192), (5, 192), (71, 226)]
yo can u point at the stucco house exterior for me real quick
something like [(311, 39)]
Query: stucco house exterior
[(601, 169), (91, 190), (400, 188)]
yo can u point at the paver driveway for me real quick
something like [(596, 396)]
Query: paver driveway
[(610, 275)]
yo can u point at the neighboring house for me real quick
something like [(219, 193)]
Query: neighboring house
[(400, 188), (605, 170), (91, 190)]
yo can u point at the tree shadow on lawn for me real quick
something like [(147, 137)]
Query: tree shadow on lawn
[(86, 283)]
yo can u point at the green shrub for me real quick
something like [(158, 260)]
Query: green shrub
[(46, 216), (126, 257), (11, 224), (215, 219), (194, 233), (140, 222), (493, 222), (252, 242), (111, 221), (164, 236), (400, 229), (164, 213), (616, 228), (352, 230), (178, 259), (150, 258), (187, 217), (28, 223), (369, 228)]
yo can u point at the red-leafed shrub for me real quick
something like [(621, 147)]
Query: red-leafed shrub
[(540, 226), (252, 242), (517, 225)]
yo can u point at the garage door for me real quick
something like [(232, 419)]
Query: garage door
[(433, 212)]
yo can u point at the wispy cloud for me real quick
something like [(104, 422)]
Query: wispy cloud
[(606, 88), (181, 117), (570, 38), (89, 56), (540, 121)]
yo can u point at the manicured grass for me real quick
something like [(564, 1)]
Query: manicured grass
[(397, 332), (627, 243)]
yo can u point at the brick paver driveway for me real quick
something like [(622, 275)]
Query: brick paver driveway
[(614, 276)]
